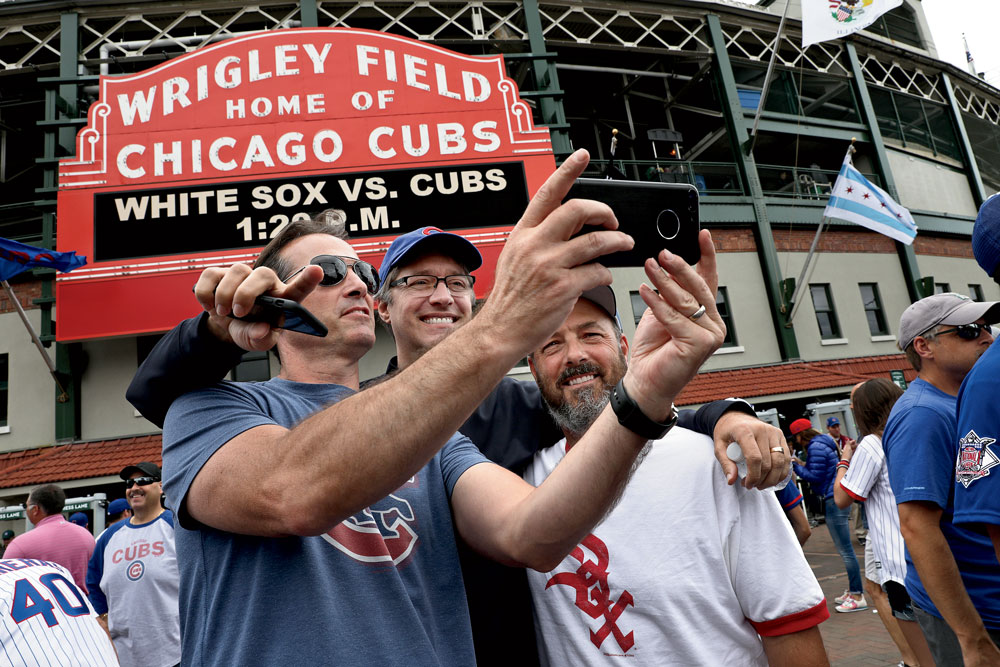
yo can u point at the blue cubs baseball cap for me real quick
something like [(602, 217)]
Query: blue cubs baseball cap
[(832, 421), (117, 506), (430, 239), (986, 235), (79, 519)]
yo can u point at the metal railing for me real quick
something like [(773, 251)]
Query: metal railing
[(711, 178)]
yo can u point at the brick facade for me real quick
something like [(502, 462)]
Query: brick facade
[(943, 247), (25, 292), (847, 241)]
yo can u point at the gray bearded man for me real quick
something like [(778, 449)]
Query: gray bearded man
[(672, 559)]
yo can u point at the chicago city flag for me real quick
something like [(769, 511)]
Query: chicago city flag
[(855, 199), (17, 257), (830, 19)]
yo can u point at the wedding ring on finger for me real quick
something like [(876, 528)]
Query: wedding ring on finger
[(696, 314), (778, 450)]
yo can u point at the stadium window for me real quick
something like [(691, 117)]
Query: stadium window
[(900, 25), (253, 367), (638, 306), (873, 309), (3, 389), (826, 316), (976, 292), (941, 288), (722, 303)]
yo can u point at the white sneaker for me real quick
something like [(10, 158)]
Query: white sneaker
[(850, 604), (840, 598)]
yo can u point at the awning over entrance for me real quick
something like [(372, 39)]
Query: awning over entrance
[(761, 381)]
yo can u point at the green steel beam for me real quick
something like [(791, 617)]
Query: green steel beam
[(845, 131), (547, 80), (907, 257), (309, 13), (70, 362), (968, 156), (738, 128)]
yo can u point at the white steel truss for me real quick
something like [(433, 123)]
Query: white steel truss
[(975, 104)]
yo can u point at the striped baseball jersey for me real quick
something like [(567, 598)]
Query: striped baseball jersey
[(47, 619), (867, 480)]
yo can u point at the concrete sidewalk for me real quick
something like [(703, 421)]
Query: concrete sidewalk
[(857, 639)]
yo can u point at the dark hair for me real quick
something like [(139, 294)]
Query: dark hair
[(49, 497), (808, 434), (332, 221), (872, 403)]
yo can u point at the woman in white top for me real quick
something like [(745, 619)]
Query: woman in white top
[(862, 475)]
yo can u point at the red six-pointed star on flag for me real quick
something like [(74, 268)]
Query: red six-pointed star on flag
[(883, 204), (866, 195), (850, 190)]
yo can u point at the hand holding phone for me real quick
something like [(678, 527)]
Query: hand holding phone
[(656, 215), (284, 314)]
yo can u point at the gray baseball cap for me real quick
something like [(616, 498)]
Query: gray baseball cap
[(604, 297), (946, 308)]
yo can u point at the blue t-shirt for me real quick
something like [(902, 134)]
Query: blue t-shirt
[(977, 468), (789, 497), (381, 588), (920, 447)]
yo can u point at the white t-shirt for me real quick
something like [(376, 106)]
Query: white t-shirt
[(47, 619), (686, 570), (867, 480)]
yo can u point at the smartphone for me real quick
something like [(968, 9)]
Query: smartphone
[(656, 215), (285, 314)]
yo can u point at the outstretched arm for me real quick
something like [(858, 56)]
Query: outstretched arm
[(799, 649)]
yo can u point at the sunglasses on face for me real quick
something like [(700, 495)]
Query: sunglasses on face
[(141, 481), (335, 270), (966, 331)]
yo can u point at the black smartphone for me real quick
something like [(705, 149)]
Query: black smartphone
[(656, 215), (285, 314)]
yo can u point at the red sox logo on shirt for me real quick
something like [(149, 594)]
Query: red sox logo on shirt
[(381, 533), (593, 595), (975, 458)]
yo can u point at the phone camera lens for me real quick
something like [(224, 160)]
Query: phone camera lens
[(668, 225)]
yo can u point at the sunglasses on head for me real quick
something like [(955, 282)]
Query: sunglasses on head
[(335, 270), (141, 481), (966, 331)]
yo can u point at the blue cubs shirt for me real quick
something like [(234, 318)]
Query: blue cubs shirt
[(977, 466), (921, 447)]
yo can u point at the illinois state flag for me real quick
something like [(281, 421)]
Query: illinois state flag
[(17, 257), (855, 199), (830, 19)]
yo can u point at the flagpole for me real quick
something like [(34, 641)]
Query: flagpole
[(812, 249), (767, 80), (63, 396)]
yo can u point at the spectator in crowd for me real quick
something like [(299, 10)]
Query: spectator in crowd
[(80, 519), (819, 470), (862, 476), (790, 499), (952, 576), (858, 518), (53, 538), (118, 509), (47, 620), (133, 577), (618, 595), (977, 494), (6, 538)]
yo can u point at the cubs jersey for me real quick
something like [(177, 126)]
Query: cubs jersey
[(977, 464), (47, 619), (867, 480), (133, 577)]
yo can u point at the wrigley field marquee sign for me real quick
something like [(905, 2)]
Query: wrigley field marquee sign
[(200, 161)]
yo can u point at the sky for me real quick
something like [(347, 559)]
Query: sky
[(979, 20)]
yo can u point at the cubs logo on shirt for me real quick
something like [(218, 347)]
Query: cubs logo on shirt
[(975, 458)]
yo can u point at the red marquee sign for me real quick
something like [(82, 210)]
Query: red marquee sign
[(199, 161)]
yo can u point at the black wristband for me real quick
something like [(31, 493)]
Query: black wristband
[(631, 417)]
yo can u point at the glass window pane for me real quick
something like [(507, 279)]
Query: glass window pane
[(819, 297), (638, 306), (722, 303), (940, 288), (976, 292)]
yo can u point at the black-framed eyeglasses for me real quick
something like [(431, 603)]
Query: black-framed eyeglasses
[(422, 285), (335, 270), (966, 331), (141, 481)]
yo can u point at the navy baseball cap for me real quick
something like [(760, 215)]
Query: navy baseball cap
[(986, 235), (7, 535), (117, 506), (79, 519), (430, 239), (832, 421)]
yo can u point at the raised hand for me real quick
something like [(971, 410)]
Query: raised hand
[(233, 290)]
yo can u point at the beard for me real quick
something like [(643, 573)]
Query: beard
[(576, 413)]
